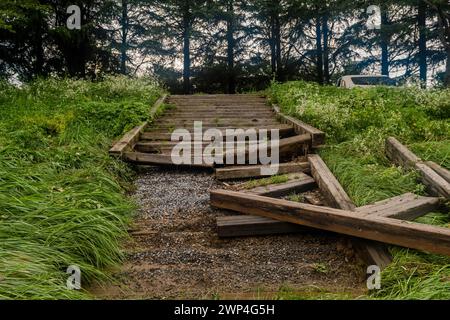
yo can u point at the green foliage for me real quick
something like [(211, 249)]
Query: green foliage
[(266, 181), (62, 198), (357, 122)]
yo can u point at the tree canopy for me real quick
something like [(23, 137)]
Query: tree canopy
[(226, 45)]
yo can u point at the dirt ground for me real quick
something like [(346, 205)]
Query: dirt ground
[(176, 254)]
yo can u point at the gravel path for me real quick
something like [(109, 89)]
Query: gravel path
[(175, 252)]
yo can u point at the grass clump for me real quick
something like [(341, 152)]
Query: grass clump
[(279, 179), (357, 122), (62, 198)]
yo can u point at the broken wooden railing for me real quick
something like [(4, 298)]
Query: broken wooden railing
[(391, 218)]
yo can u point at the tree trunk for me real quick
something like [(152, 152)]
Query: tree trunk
[(279, 68), (421, 21), (326, 57), (123, 47), (230, 48), (272, 41), (319, 51), (384, 42), (447, 70), (187, 49), (38, 47)]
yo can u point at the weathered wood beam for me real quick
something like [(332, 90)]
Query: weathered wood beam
[(318, 137), (246, 172), (392, 231), (287, 148), (405, 207), (159, 159), (444, 173), (300, 182), (244, 226), (402, 156), (336, 197), (154, 110), (128, 141), (156, 134)]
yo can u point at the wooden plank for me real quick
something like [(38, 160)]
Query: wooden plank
[(246, 172), (402, 156), (336, 197), (399, 154), (392, 231), (318, 137), (444, 173), (405, 207), (332, 190), (217, 113), (128, 141), (157, 159), (245, 226), (436, 185), (299, 182), (238, 121), (288, 148), (154, 110), (284, 130)]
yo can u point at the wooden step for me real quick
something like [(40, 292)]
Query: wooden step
[(298, 182), (157, 159), (247, 172), (237, 123), (214, 118), (284, 130), (244, 226), (166, 147), (218, 113), (288, 148)]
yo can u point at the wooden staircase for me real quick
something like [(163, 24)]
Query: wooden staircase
[(152, 144)]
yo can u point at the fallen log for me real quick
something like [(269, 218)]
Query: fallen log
[(392, 231)]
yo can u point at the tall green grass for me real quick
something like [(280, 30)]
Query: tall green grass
[(62, 198), (357, 122)]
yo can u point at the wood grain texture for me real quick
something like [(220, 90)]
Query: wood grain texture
[(298, 182), (400, 155), (392, 231), (405, 207), (128, 141), (444, 173), (336, 197), (318, 137), (245, 172)]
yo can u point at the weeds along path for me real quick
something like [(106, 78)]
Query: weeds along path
[(175, 251)]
